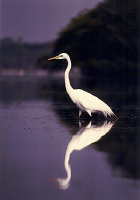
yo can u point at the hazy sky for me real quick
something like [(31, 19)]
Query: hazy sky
[(39, 20)]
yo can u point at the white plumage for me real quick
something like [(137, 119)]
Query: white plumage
[(85, 101), (88, 103), (84, 137)]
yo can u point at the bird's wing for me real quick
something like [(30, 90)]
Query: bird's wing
[(90, 102)]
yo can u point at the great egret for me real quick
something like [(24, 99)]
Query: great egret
[(85, 136), (85, 101)]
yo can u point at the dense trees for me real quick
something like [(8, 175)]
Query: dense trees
[(103, 37), (20, 55)]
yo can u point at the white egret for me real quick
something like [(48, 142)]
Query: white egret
[(85, 101), (84, 137)]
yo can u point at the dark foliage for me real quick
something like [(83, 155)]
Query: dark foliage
[(103, 37)]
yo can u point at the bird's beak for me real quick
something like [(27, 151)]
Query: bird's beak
[(53, 179), (53, 58)]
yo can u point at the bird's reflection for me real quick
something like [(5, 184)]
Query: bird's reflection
[(85, 136)]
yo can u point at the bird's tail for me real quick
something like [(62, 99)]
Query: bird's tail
[(110, 114)]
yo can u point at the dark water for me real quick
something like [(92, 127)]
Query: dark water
[(47, 154)]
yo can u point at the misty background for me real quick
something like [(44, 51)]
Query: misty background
[(101, 37), (39, 21)]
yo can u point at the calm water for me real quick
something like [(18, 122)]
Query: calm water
[(47, 154)]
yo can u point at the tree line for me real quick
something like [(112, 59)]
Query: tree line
[(101, 40)]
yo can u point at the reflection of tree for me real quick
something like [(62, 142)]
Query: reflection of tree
[(122, 145)]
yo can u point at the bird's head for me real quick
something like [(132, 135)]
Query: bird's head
[(60, 56)]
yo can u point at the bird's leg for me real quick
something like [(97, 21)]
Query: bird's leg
[(80, 125), (89, 112), (80, 112), (89, 125)]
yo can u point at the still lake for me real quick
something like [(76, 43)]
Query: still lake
[(46, 153)]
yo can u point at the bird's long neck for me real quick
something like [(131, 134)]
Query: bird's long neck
[(69, 89), (66, 161)]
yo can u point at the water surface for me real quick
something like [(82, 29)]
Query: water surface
[(47, 154)]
